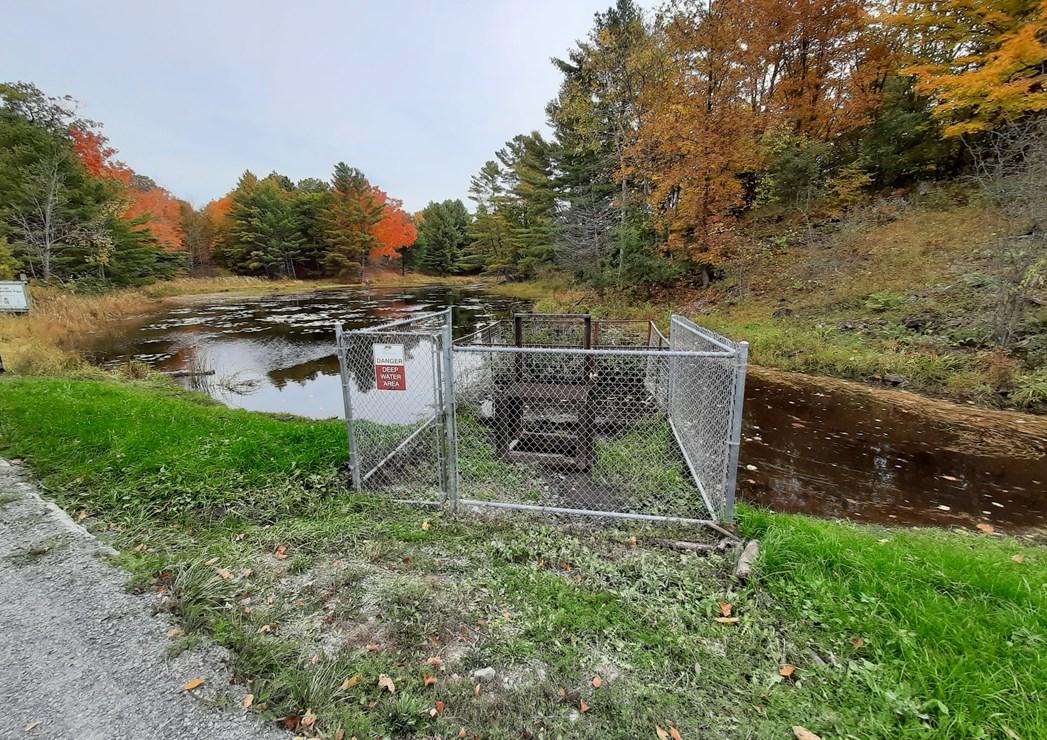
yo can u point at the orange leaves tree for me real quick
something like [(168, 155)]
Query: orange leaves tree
[(394, 230), (728, 71), (144, 202)]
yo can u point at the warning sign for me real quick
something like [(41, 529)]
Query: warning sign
[(389, 372)]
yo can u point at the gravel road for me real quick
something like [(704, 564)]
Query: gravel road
[(82, 658)]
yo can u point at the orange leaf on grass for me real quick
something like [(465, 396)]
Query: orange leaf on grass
[(597, 681), (786, 670), (725, 608)]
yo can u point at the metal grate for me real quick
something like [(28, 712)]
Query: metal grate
[(559, 412)]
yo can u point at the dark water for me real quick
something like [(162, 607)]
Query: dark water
[(807, 448)]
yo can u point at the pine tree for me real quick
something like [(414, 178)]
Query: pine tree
[(348, 221)]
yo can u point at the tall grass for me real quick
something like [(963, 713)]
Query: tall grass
[(49, 339)]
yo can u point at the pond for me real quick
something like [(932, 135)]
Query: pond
[(810, 446)]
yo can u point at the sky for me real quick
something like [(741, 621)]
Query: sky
[(416, 93)]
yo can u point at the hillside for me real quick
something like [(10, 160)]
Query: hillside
[(900, 292)]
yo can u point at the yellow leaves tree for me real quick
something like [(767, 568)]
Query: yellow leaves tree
[(695, 132), (981, 62)]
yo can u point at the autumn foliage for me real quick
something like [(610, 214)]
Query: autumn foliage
[(145, 202), (395, 230)]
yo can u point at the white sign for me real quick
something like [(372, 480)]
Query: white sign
[(389, 372), (14, 295)]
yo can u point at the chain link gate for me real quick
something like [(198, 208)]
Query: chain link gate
[(399, 406), (561, 413)]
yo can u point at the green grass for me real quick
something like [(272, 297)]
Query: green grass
[(199, 498)]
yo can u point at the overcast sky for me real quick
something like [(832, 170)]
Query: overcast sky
[(416, 93)]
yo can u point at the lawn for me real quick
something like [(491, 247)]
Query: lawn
[(328, 599)]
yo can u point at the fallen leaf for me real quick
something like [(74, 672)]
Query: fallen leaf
[(662, 734), (384, 682), (786, 669), (175, 632), (428, 680), (139, 547), (439, 706), (632, 541), (291, 722), (987, 528), (727, 620), (802, 733), (226, 574), (248, 700), (351, 681), (267, 628), (674, 733), (461, 732), (212, 561), (308, 719), (339, 734), (725, 608), (237, 538), (583, 706), (597, 681), (425, 524), (247, 572), (858, 641), (1018, 557), (192, 683), (476, 690), (407, 559), (280, 553), (434, 660), (372, 647), (81, 516), (564, 565)]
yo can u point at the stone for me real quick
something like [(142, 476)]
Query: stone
[(485, 675)]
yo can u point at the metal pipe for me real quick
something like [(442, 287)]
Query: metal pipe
[(591, 512), (450, 416), (399, 322), (607, 352), (354, 457), (705, 334), (735, 443)]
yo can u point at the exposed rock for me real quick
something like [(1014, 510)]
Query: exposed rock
[(485, 675)]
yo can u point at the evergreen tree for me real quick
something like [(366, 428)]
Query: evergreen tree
[(348, 221), (443, 232)]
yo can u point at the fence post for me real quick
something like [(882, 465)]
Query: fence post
[(449, 416), (354, 457), (735, 443)]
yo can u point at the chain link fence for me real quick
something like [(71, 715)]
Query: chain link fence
[(557, 412)]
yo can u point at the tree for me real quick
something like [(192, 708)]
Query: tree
[(596, 116), (983, 63), (1011, 169), (348, 221), (266, 230), (442, 231), (394, 230), (699, 132), (198, 234)]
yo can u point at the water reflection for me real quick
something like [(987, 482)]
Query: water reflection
[(276, 352)]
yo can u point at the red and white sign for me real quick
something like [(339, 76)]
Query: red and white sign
[(389, 374)]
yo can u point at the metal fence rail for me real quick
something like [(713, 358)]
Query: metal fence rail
[(562, 413)]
